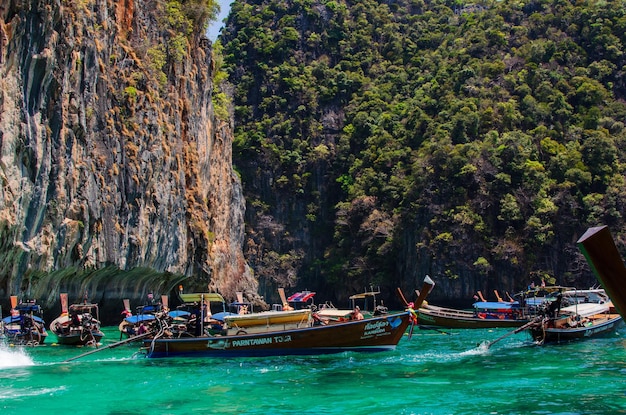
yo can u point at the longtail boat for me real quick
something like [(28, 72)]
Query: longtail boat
[(319, 336), (598, 315), (78, 324), (25, 324), (504, 314), (485, 315), (575, 322), (368, 335)]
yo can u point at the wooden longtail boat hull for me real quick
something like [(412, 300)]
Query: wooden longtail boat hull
[(460, 319), (598, 246), (79, 339), (369, 335), (76, 326), (268, 318), (603, 326)]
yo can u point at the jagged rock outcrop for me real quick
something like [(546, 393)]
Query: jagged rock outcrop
[(116, 174)]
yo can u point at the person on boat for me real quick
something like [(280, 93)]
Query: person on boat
[(130, 330), (380, 309), (319, 321), (356, 314), (555, 306), (74, 319), (287, 307)]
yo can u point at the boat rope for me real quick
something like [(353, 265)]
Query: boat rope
[(544, 323), (412, 319), (517, 330), (110, 346), (160, 320)]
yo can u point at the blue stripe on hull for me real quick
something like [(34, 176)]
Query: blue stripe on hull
[(266, 353)]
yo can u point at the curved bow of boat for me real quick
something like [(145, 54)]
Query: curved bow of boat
[(598, 246)]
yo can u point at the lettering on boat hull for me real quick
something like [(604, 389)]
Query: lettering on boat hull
[(376, 329)]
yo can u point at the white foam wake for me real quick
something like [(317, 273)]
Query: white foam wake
[(14, 357)]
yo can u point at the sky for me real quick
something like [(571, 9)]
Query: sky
[(214, 27)]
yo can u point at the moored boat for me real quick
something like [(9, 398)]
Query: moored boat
[(78, 324), (575, 322), (138, 323), (25, 324), (484, 315), (502, 314)]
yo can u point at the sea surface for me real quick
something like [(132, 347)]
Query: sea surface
[(433, 372)]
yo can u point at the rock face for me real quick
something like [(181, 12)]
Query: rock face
[(116, 175)]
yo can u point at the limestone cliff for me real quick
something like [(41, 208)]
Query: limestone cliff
[(116, 174)]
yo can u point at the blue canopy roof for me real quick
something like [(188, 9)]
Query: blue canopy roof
[(222, 315), (178, 313), (495, 305), (139, 318), (17, 319)]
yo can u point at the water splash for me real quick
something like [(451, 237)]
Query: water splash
[(14, 357), (480, 349)]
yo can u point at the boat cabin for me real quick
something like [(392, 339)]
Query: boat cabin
[(366, 301)]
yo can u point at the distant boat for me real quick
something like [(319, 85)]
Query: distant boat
[(576, 322), (485, 315), (78, 324), (503, 314), (25, 324), (138, 323)]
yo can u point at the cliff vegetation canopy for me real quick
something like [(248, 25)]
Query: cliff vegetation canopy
[(379, 141)]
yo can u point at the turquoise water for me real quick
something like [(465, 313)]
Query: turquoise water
[(432, 373)]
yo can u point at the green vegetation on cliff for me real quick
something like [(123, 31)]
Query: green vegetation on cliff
[(382, 140)]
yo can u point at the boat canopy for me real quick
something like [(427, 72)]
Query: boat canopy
[(585, 309), (195, 297), (28, 308), (83, 308), (495, 305), (139, 318), (178, 313), (16, 319), (222, 315), (364, 295)]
